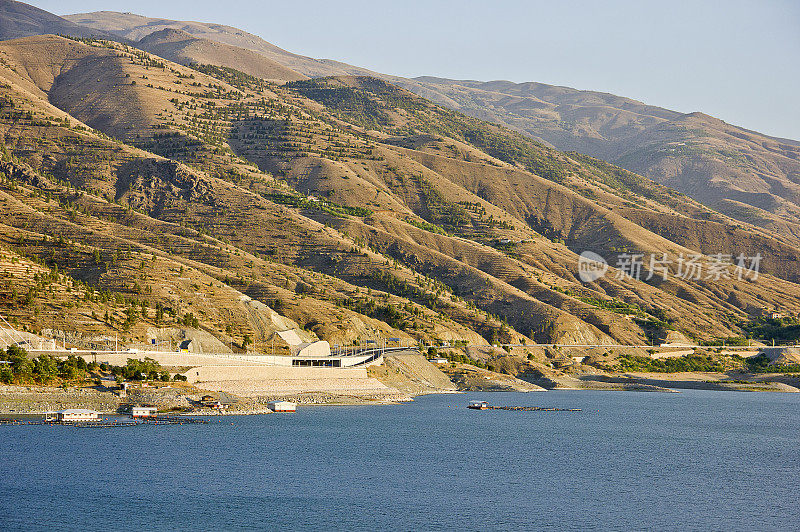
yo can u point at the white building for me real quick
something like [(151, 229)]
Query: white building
[(282, 406), (143, 411), (73, 414)]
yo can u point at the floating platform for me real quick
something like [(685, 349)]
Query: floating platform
[(523, 408)]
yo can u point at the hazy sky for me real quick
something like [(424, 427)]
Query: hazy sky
[(736, 60)]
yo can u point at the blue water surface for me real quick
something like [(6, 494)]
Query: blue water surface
[(697, 460)]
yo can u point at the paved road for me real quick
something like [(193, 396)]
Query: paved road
[(393, 350)]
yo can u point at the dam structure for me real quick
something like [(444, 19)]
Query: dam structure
[(309, 366)]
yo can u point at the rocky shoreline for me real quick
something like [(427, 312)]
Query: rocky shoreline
[(31, 399), (185, 399)]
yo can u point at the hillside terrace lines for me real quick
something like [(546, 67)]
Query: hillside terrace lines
[(122, 231), (257, 227), (42, 297), (126, 273), (13, 267), (513, 272)]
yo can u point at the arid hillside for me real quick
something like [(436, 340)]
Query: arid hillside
[(346, 205), (135, 27), (18, 19), (746, 175), (183, 48)]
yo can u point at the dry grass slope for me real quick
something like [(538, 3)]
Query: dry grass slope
[(347, 206)]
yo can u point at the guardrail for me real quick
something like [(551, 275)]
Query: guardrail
[(378, 352)]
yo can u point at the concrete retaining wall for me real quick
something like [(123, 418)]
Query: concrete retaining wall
[(240, 373), (278, 360), (194, 359), (165, 359)]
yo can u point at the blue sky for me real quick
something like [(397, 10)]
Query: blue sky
[(736, 60)]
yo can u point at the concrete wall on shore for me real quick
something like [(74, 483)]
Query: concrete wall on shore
[(239, 373), (278, 360), (193, 359), (165, 359)]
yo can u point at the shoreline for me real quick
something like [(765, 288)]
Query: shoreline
[(36, 400)]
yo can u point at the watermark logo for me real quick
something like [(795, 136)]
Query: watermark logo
[(692, 267), (591, 266)]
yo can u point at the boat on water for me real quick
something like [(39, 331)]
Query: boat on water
[(478, 405), (282, 406)]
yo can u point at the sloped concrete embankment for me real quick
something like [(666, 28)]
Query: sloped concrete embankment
[(257, 380)]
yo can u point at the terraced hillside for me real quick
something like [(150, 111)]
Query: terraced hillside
[(747, 175), (346, 205)]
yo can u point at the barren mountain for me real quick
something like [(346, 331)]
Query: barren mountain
[(136, 27), (346, 205), (22, 20), (747, 175), (181, 47)]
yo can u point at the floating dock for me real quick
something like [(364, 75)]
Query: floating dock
[(524, 408)]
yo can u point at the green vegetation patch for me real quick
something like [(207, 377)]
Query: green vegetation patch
[(761, 364), (16, 367), (431, 228), (781, 330), (688, 363), (320, 205)]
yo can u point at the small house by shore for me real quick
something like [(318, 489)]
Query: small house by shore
[(72, 414), (282, 406)]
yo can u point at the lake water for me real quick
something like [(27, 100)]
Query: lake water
[(694, 460)]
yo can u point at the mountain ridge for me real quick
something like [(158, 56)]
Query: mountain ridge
[(347, 205), (18, 19), (649, 140), (135, 27), (181, 47)]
